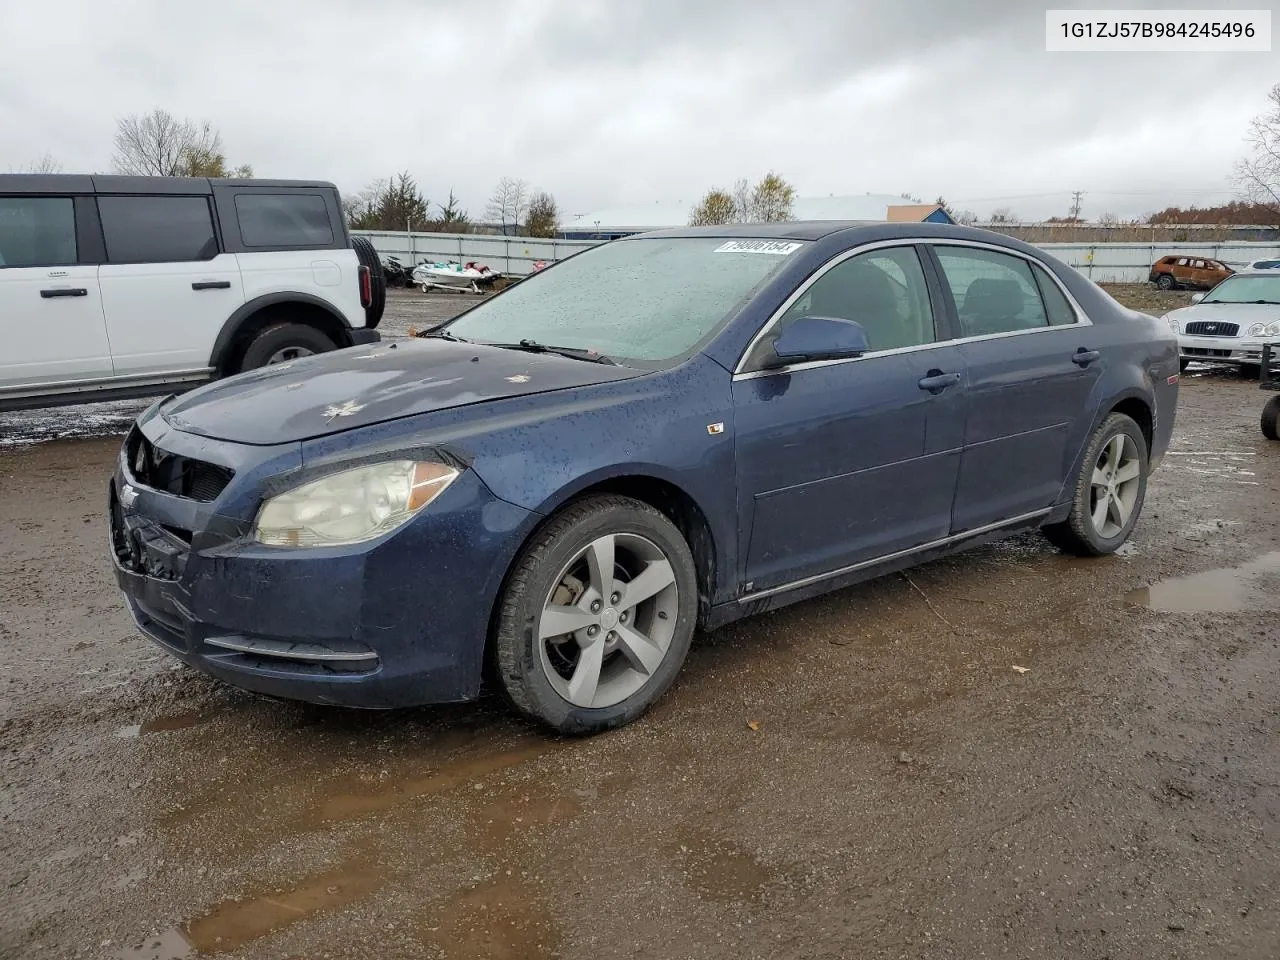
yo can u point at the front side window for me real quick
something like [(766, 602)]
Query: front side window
[(993, 292), (142, 229), (283, 219), (652, 301), (37, 231), (883, 290)]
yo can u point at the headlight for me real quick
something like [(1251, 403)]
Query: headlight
[(1256, 330), (351, 506), (1173, 324), (1273, 329)]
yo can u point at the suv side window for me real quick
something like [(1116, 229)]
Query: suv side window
[(37, 231), (283, 219), (993, 292), (173, 229), (884, 290)]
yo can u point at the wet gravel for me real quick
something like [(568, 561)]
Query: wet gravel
[(863, 775)]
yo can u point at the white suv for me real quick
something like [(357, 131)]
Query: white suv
[(114, 287)]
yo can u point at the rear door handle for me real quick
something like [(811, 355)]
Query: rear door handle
[(64, 292), (937, 381), (1085, 357), (211, 285)]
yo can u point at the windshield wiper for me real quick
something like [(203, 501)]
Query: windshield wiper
[(573, 353), (444, 335)]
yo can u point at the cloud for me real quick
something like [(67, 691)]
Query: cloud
[(605, 103)]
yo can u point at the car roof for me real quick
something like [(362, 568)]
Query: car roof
[(850, 231), (79, 183)]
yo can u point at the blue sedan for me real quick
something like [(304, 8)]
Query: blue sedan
[(661, 433)]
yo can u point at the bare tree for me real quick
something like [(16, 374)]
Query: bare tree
[(966, 217), (158, 144), (742, 201), (45, 164), (1002, 215), (715, 207), (1257, 176), (544, 216), (509, 203), (1108, 220)]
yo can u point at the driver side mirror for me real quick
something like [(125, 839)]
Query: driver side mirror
[(819, 338), (1197, 297)]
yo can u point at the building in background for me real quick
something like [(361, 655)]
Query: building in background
[(614, 222)]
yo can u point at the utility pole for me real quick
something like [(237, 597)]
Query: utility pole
[(1075, 204)]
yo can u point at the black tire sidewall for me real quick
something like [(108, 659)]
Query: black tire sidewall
[(368, 257), (516, 647), (1081, 520), (280, 336), (1271, 418)]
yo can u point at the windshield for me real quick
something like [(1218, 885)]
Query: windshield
[(649, 301), (1242, 289)]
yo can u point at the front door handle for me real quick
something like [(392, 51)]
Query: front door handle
[(211, 285), (937, 381), (64, 292), (1085, 357)]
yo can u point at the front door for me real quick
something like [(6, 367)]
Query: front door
[(51, 324), (840, 462), (1032, 364), (166, 288)]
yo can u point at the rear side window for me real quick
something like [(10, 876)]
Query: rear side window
[(993, 292), (283, 220), (37, 232), (1055, 302), (157, 229)]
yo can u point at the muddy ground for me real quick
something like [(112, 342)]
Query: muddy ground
[(864, 775)]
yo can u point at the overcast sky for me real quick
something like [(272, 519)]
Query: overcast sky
[(608, 102)]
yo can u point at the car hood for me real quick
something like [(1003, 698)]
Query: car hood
[(359, 386), (1244, 314)]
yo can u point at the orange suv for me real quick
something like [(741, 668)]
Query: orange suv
[(1169, 273)]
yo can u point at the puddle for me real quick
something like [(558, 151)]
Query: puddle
[(177, 721), (1252, 586), (170, 945), (349, 806), (513, 809), (719, 871), (238, 922), (502, 919)]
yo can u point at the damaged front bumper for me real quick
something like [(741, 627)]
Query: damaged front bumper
[(397, 621)]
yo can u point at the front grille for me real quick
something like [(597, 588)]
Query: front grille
[(1212, 328), (146, 547), (171, 473)]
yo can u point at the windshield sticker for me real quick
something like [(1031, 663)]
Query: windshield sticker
[(779, 248)]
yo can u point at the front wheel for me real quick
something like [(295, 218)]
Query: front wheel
[(1109, 491), (1166, 282), (1271, 418), (597, 616)]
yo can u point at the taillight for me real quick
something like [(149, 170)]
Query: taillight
[(366, 287)]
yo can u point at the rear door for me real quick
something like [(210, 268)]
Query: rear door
[(167, 287), (51, 323), (1031, 362)]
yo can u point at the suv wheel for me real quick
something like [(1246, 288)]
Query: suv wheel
[(1166, 282), (597, 616), (1109, 491), (368, 257), (282, 343)]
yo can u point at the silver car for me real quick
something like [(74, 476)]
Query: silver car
[(1230, 323)]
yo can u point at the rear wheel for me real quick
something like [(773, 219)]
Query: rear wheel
[(597, 616), (1166, 282), (368, 257), (1109, 491), (284, 342), (1271, 418)]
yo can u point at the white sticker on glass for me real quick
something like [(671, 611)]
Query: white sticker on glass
[(779, 248)]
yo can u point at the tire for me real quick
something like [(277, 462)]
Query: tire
[(1271, 418), (539, 675), (1183, 363), (276, 344), (1166, 282), (368, 257), (1081, 533)]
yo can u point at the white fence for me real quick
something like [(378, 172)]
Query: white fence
[(515, 256)]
